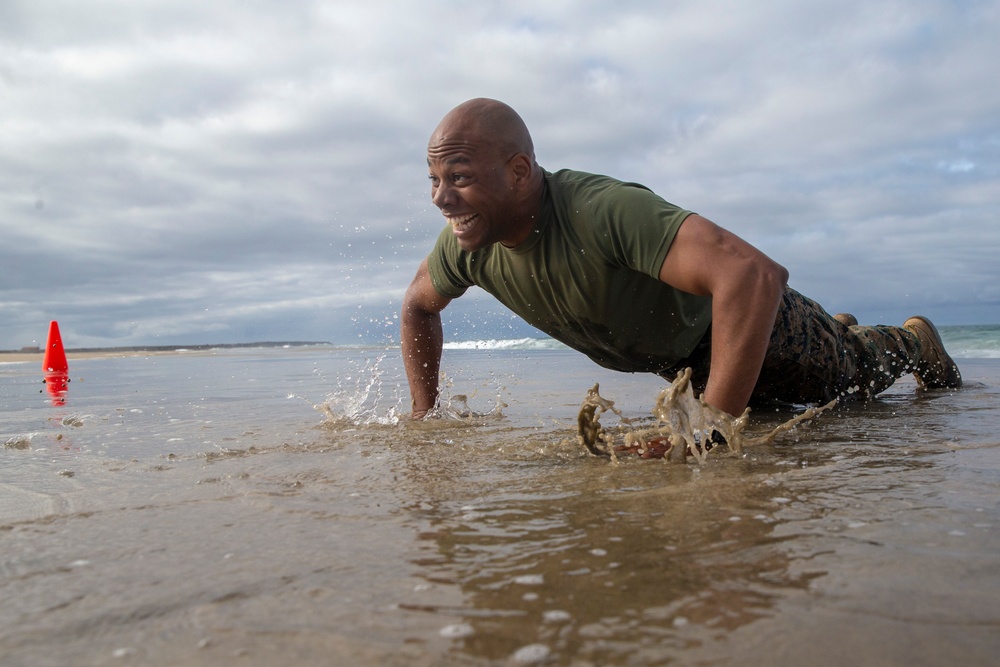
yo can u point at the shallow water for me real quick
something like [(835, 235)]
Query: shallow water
[(198, 509)]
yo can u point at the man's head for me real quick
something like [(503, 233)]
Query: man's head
[(483, 174)]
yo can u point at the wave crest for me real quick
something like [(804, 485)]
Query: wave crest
[(507, 344)]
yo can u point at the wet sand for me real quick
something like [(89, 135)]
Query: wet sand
[(199, 512)]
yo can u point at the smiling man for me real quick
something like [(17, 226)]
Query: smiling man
[(632, 281)]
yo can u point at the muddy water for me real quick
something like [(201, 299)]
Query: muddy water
[(199, 510)]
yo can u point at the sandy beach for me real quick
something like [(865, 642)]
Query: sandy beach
[(20, 356), (33, 357)]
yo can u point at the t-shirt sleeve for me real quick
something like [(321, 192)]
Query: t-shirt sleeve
[(640, 226), (445, 269)]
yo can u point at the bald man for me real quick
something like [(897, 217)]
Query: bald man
[(634, 282)]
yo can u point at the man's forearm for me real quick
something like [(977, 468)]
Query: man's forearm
[(741, 331), (421, 341)]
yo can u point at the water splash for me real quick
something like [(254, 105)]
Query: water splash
[(685, 426), (361, 399), (451, 406)]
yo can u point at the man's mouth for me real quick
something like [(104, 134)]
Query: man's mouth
[(462, 223)]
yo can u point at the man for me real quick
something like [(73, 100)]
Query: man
[(634, 282)]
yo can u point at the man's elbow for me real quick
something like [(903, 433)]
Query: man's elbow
[(771, 279), (779, 275), (410, 302), (416, 310)]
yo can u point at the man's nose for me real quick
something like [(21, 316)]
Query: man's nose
[(442, 195)]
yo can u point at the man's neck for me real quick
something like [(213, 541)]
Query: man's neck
[(527, 218)]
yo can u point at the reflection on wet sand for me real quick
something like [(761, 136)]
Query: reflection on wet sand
[(575, 558), (606, 560), (237, 529)]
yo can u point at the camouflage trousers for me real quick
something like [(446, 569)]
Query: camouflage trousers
[(813, 358)]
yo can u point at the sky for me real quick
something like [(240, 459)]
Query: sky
[(181, 172)]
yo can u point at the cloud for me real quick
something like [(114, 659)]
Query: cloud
[(182, 172)]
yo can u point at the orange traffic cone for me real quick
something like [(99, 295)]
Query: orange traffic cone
[(55, 357), (55, 367)]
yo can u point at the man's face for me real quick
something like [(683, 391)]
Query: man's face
[(470, 185)]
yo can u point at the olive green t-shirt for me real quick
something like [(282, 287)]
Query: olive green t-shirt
[(588, 273)]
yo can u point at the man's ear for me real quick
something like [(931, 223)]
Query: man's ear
[(520, 166)]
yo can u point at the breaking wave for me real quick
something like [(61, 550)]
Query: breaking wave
[(507, 344)]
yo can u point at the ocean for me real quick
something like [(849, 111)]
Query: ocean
[(267, 506)]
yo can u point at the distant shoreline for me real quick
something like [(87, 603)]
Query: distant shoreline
[(137, 350)]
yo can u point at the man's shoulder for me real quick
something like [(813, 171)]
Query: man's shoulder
[(589, 194), (569, 183), (577, 178)]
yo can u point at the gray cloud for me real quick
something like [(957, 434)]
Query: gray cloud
[(180, 172)]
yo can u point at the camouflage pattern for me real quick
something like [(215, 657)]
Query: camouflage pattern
[(813, 358)]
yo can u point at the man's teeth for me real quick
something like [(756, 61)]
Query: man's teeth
[(463, 222)]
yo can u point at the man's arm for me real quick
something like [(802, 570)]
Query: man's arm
[(421, 338), (746, 287)]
